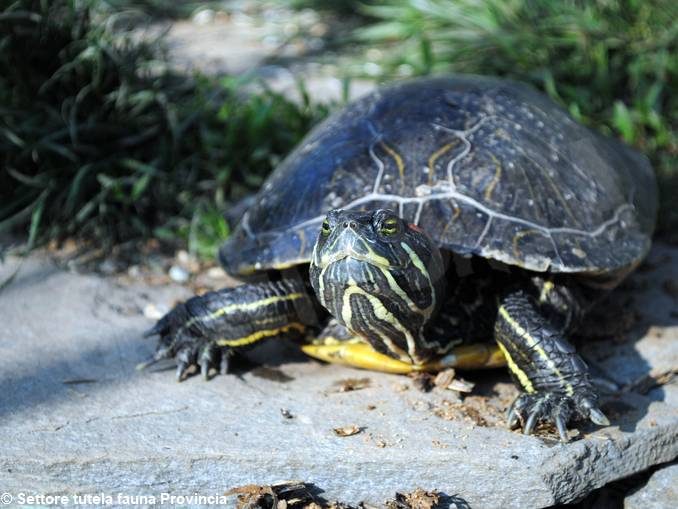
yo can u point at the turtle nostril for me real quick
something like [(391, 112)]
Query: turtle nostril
[(351, 224)]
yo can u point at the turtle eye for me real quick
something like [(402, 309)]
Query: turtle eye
[(325, 229), (389, 227)]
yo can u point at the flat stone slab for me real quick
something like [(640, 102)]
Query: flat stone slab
[(660, 491), (76, 417)]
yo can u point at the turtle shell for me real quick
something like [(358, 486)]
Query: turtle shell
[(485, 166)]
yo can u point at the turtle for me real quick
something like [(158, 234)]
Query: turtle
[(455, 220)]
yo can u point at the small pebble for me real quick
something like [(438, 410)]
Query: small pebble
[(216, 273), (178, 274), (183, 257), (155, 312)]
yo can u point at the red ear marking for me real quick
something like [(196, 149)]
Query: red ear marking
[(415, 228)]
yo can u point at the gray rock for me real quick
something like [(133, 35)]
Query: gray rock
[(660, 491), (76, 417)]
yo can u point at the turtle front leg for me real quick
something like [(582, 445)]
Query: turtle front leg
[(555, 380), (205, 330)]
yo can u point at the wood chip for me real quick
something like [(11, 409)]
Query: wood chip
[(347, 431), (461, 385), (444, 378)]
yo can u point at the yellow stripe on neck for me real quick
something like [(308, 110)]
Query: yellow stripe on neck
[(382, 314)]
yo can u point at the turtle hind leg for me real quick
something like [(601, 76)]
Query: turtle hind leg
[(555, 380), (205, 330), (336, 344)]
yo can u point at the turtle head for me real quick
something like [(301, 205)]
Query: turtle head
[(380, 277), (373, 238)]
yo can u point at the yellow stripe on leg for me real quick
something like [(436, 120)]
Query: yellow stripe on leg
[(520, 374), (532, 343), (244, 306), (261, 334)]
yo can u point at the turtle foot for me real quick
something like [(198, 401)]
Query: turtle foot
[(187, 349), (529, 409)]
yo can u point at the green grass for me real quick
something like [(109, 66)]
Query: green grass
[(612, 63), (100, 141)]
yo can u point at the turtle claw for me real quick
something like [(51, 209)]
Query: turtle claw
[(561, 426), (186, 358), (147, 363), (512, 420), (594, 413), (205, 369), (558, 409), (209, 357), (161, 353), (182, 368), (532, 420), (598, 417)]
